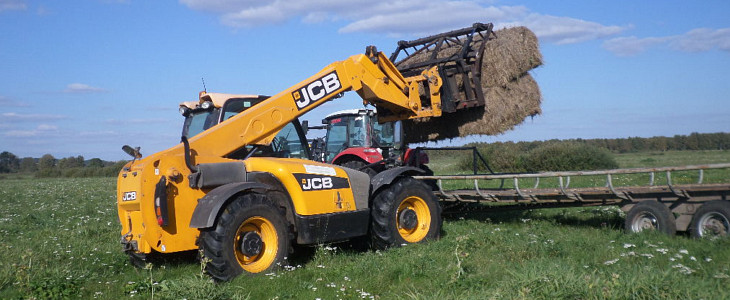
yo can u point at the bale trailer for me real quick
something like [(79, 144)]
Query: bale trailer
[(701, 208)]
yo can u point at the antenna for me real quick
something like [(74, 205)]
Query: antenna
[(204, 88)]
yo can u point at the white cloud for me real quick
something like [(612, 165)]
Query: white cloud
[(82, 88), (695, 40), (137, 121), (402, 18), (703, 39), (441, 16), (565, 30), (628, 46), (6, 5), (9, 102), (16, 117), (42, 129)]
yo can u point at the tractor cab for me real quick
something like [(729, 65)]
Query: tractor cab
[(356, 140), (215, 108), (357, 131)]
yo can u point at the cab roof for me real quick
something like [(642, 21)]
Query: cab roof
[(349, 112), (218, 99)]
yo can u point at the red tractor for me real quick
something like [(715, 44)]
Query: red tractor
[(356, 140)]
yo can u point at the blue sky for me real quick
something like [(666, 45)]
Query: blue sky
[(84, 77)]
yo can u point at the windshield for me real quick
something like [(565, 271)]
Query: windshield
[(382, 134), (336, 137), (198, 121)]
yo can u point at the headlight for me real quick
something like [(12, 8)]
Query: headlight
[(184, 110), (206, 105)]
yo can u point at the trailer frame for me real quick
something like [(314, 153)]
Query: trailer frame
[(682, 200)]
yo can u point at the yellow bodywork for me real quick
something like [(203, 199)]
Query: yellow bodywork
[(374, 78), (138, 218)]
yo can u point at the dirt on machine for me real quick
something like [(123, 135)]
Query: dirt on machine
[(242, 187)]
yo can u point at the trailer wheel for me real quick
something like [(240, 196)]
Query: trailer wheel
[(650, 215), (711, 220), (250, 236), (360, 166), (405, 212)]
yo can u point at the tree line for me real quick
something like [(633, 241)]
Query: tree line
[(49, 166), (693, 141)]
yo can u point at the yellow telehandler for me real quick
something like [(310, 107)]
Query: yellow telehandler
[(241, 187)]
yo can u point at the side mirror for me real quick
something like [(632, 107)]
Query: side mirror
[(133, 152)]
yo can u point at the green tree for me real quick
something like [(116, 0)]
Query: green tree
[(28, 165), (9, 162), (46, 162), (95, 163)]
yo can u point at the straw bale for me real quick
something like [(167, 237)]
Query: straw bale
[(506, 107)]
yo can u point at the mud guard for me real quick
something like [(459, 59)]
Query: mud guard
[(208, 207), (386, 177)]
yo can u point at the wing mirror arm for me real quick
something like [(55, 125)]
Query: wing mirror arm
[(188, 159)]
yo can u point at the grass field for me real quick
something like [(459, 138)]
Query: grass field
[(59, 239)]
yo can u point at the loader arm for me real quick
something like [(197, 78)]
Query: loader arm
[(372, 76)]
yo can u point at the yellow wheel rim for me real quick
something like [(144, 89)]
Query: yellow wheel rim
[(263, 260), (418, 232)]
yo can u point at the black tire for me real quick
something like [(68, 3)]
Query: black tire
[(393, 225), (253, 220), (650, 215), (360, 166), (712, 220)]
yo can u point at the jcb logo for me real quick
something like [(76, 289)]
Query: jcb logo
[(316, 90), (316, 183), (129, 196), (313, 182)]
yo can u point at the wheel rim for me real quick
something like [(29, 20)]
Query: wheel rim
[(713, 225), (409, 231), (266, 232), (644, 221)]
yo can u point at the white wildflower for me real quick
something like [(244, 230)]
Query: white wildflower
[(683, 269), (610, 262)]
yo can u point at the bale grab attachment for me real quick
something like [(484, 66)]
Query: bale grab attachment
[(459, 63)]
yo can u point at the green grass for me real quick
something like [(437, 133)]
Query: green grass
[(59, 238), (672, 158)]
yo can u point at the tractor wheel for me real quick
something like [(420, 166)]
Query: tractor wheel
[(405, 212), (251, 235), (650, 215), (711, 220), (360, 166)]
